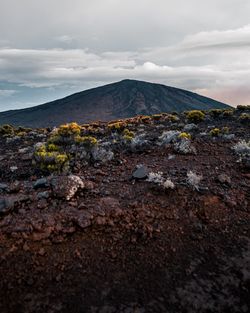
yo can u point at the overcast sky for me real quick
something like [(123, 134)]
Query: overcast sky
[(52, 48)]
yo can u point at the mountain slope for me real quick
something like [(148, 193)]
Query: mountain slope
[(118, 100)]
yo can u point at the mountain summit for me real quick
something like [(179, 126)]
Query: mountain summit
[(117, 100)]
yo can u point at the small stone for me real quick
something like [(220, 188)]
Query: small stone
[(15, 187), (42, 252), (224, 179), (13, 168), (100, 220), (83, 222), (171, 156), (3, 187), (2, 205), (13, 139), (43, 195), (89, 185), (58, 277), (30, 281), (190, 127), (27, 157), (42, 204), (140, 172), (203, 190), (246, 162), (23, 150), (229, 136), (66, 186), (41, 183), (6, 205), (26, 247)]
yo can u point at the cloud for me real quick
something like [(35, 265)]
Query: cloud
[(65, 39), (214, 63), (7, 92), (108, 25), (219, 39)]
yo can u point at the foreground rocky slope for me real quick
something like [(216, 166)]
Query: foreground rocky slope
[(118, 100), (153, 216)]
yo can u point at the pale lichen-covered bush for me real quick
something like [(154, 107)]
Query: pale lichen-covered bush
[(169, 136), (184, 146), (102, 155), (155, 177), (190, 127), (242, 148), (159, 180), (138, 141), (193, 180), (168, 184)]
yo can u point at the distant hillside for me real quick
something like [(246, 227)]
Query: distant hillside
[(118, 100)]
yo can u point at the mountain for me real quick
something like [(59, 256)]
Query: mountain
[(118, 100)]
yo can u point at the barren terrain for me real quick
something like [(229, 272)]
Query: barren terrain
[(122, 243)]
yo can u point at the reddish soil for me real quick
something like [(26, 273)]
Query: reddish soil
[(122, 245)]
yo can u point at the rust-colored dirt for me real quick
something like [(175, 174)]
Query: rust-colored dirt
[(123, 245)]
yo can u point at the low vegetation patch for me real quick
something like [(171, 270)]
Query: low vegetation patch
[(244, 117), (6, 130), (195, 116), (215, 132)]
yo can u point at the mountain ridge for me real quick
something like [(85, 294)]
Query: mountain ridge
[(121, 99)]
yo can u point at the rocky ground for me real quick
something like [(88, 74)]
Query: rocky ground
[(103, 237)]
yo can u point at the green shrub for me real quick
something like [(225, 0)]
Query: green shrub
[(65, 134), (51, 161), (215, 112), (53, 156), (215, 132), (225, 130), (228, 113), (117, 126), (195, 116), (6, 130), (243, 107), (244, 117), (128, 135), (156, 117), (184, 135), (173, 118), (23, 129), (52, 147), (68, 130), (88, 141), (145, 118), (21, 134)]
